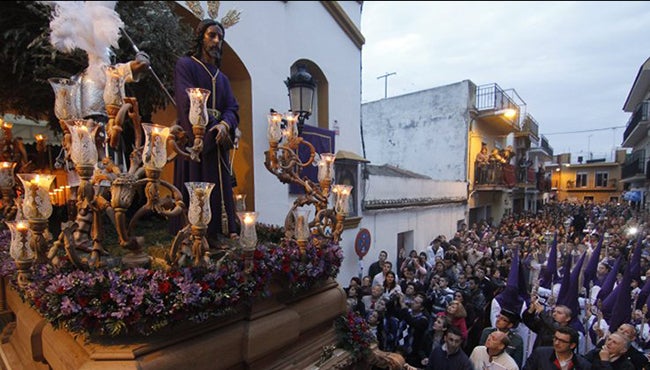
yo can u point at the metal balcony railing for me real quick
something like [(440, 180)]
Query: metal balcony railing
[(491, 96), (495, 174), (639, 115), (634, 164), (544, 145), (530, 126)]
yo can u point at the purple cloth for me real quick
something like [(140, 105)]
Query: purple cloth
[(323, 142), (190, 73)]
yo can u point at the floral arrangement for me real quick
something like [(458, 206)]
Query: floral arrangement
[(353, 334), (269, 233), (119, 301)]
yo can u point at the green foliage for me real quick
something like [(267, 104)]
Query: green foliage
[(269, 233)]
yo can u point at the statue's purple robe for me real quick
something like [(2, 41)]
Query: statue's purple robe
[(190, 73)]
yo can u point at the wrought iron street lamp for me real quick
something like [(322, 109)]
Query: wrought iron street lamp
[(301, 87)]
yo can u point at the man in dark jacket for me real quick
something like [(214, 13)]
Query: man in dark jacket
[(544, 323), (449, 356), (612, 355), (413, 324), (559, 356)]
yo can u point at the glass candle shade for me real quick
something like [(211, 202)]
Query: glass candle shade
[(7, 175), (154, 154), (198, 109), (274, 131), (83, 150), (240, 202), (291, 129), (198, 212), (248, 234), (19, 247), (36, 204), (114, 88), (342, 203), (301, 217), (65, 98), (326, 166)]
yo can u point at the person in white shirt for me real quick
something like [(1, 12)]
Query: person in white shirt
[(379, 278), (493, 354), (435, 251)]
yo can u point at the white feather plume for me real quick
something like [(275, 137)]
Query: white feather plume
[(93, 26)]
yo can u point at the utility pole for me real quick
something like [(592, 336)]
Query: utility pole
[(385, 77)]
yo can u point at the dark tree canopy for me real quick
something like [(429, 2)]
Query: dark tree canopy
[(27, 59)]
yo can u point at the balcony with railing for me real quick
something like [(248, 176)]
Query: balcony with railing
[(634, 165), (529, 127), (494, 175), (544, 148), (637, 125), (493, 105)]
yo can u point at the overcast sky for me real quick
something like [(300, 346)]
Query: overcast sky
[(573, 63)]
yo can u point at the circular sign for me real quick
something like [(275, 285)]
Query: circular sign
[(362, 243)]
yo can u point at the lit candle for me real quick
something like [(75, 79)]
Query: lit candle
[(248, 219), (240, 202), (58, 197), (84, 150), (325, 170), (292, 128), (198, 114), (7, 174), (22, 228), (274, 132), (155, 149), (36, 203)]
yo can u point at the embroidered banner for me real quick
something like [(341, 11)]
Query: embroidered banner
[(323, 142)]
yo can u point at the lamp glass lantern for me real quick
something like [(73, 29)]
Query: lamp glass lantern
[(65, 98), (84, 150), (154, 154), (19, 247), (274, 131), (198, 115), (301, 216), (7, 174), (326, 167), (301, 87), (36, 202), (342, 202), (248, 233), (199, 212)]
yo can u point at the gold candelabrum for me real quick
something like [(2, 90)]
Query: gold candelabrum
[(283, 160), (105, 190)]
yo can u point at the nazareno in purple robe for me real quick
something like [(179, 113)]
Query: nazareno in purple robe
[(190, 73)]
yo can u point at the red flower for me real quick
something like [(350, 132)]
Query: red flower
[(164, 287), (220, 283), (204, 286), (83, 301), (105, 297)]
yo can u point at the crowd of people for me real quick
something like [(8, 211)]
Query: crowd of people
[(500, 296)]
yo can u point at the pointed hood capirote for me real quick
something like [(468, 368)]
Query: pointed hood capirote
[(589, 274), (548, 275), (511, 298)]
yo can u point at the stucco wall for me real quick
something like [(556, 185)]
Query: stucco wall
[(424, 132)]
